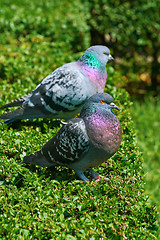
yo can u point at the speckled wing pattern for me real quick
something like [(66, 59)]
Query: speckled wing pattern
[(62, 90), (69, 144), (17, 102)]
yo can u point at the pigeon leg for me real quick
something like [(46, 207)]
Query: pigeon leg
[(81, 175), (96, 176)]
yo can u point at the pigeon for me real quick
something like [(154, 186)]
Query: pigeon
[(84, 142), (63, 92)]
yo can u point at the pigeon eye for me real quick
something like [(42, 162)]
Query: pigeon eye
[(102, 101), (105, 53)]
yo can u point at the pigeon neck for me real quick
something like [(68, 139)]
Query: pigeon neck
[(90, 60), (96, 111), (95, 70)]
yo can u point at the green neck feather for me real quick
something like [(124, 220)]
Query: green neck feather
[(91, 60)]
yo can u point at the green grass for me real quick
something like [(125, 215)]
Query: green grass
[(146, 118)]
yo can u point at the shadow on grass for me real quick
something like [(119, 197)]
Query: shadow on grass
[(40, 123), (58, 173)]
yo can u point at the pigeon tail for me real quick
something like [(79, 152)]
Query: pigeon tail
[(37, 159), (7, 121), (16, 103), (21, 113)]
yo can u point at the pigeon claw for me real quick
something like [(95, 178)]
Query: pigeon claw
[(95, 175)]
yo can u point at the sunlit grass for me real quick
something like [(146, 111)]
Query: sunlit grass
[(146, 117)]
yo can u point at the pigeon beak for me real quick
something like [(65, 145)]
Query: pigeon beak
[(114, 106), (110, 57)]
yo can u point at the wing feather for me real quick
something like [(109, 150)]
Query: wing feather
[(69, 144), (62, 90)]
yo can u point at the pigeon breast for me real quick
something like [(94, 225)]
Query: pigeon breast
[(104, 132)]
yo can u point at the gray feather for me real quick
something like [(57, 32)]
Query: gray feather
[(69, 144), (21, 113), (16, 103), (37, 159)]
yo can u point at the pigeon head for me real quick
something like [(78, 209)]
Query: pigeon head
[(100, 102), (96, 56)]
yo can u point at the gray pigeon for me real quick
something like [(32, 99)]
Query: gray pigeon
[(63, 93), (83, 142)]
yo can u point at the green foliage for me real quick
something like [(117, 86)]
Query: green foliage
[(132, 30), (146, 116), (41, 203), (39, 33), (47, 18)]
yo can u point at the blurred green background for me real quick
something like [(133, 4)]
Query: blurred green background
[(33, 31)]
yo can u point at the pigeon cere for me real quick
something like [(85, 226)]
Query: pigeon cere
[(63, 93), (83, 142)]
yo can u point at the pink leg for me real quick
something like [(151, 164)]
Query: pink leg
[(96, 176)]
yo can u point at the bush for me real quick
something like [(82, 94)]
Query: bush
[(41, 203), (40, 31), (132, 29), (48, 19)]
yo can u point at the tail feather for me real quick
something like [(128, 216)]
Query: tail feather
[(7, 121), (37, 159), (21, 113), (13, 115), (16, 103)]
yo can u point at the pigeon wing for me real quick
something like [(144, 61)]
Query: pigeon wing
[(62, 90), (69, 144)]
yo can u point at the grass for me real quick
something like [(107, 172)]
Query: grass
[(146, 118)]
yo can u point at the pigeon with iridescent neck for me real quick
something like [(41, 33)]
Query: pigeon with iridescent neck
[(63, 93), (83, 142)]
